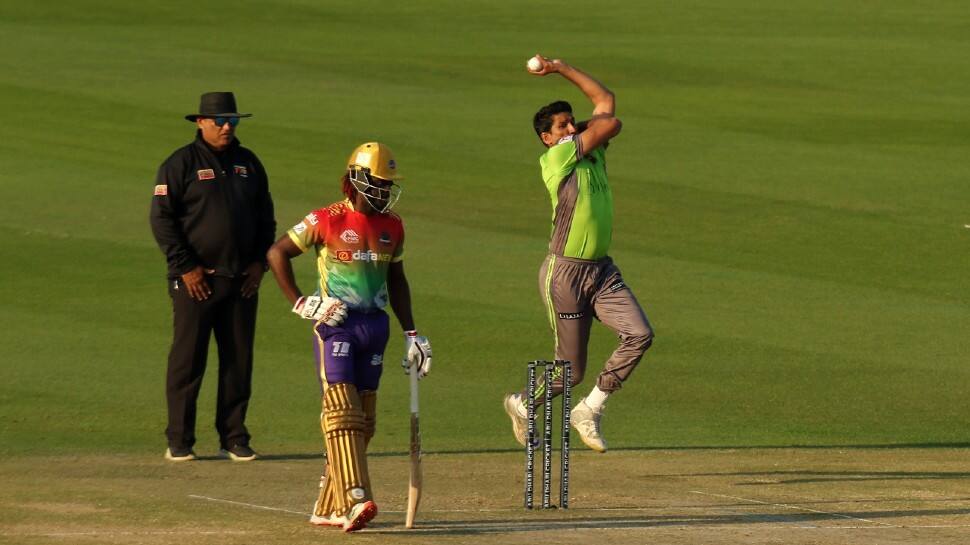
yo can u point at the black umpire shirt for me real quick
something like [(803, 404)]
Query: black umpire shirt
[(212, 209)]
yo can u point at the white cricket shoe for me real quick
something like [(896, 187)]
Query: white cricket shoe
[(359, 515), (328, 520), (587, 423), (520, 422)]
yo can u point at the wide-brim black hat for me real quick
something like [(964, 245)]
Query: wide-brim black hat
[(217, 104)]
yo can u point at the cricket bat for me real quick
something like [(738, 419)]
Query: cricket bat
[(414, 488)]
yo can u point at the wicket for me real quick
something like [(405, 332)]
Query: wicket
[(551, 370)]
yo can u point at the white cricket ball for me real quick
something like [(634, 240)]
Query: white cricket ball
[(534, 64)]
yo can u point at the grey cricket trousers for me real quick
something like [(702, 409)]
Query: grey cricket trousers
[(577, 290)]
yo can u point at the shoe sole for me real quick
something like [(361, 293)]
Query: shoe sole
[(324, 522), (517, 429), (360, 521), (226, 454), (592, 446), (187, 458)]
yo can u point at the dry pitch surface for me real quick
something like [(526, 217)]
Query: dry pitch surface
[(837, 496)]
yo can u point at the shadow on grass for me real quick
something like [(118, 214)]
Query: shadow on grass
[(815, 476), (311, 456), (854, 520)]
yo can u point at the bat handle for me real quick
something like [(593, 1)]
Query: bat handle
[(413, 376)]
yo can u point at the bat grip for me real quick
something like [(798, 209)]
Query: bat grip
[(413, 378)]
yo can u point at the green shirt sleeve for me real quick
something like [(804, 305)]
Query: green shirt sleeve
[(559, 161)]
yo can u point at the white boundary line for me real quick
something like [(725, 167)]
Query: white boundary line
[(253, 505), (537, 525), (132, 533), (794, 507), (640, 525), (501, 510)]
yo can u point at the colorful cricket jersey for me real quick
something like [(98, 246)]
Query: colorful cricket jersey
[(354, 251), (582, 203)]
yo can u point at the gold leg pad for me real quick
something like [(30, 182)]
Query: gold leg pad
[(369, 400), (343, 426)]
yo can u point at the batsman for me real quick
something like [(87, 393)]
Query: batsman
[(359, 247), (578, 281)]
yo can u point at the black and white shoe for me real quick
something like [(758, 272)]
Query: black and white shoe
[(239, 453), (179, 454)]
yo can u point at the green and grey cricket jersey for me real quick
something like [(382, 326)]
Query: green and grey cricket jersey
[(582, 203), (578, 281)]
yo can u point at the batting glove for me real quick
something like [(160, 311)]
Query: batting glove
[(328, 310), (417, 353)]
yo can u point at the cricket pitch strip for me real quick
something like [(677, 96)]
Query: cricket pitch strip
[(678, 496)]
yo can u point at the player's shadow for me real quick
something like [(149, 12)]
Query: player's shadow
[(320, 456), (313, 456), (886, 446), (795, 476), (597, 522)]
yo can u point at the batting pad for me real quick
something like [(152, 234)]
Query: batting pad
[(324, 504), (369, 400), (343, 428)]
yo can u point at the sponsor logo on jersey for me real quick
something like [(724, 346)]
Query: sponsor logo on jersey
[(299, 228), (350, 236), (206, 174), (366, 256), (311, 218), (616, 286), (340, 349), (369, 255), (385, 238), (241, 171), (377, 359), (564, 139), (161, 190), (571, 315)]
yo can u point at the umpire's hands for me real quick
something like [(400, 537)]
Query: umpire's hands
[(254, 275), (417, 353), (196, 284)]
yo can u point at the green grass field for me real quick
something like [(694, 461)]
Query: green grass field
[(790, 184)]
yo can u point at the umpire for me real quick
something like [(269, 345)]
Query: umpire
[(212, 217)]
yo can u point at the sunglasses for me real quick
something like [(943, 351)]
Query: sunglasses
[(220, 121)]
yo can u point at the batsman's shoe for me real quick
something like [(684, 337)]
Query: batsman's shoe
[(239, 453), (587, 423), (359, 515), (328, 520), (179, 454), (520, 421)]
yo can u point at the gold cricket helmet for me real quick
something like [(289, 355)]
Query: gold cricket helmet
[(377, 159)]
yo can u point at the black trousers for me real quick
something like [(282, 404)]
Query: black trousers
[(233, 320)]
